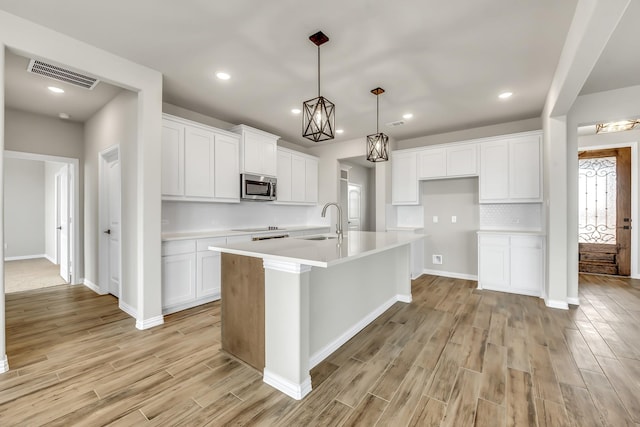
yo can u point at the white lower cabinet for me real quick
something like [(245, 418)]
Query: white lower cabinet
[(190, 273), (511, 262)]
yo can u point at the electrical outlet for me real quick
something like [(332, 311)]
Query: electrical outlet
[(435, 219), (454, 219), (515, 221), (436, 259)]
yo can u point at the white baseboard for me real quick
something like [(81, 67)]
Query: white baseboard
[(179, 307), (149, 323), (291, 389), (4, 364), (404, 298), (19, 258), (50, 258), (573, 301), (127, 309), (450, 274), (323, 353), (95, 288), (556, 304)]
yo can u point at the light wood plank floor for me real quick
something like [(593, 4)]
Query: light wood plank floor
[(456, 356)]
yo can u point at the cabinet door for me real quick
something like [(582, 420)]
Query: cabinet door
[(252, 153), (493, 265), (208, 274), (172, 159), (199, 163), (178, 279), (298, 184), (462, 160), (524, 169), (526, 264), (494, 171), (311, 181), (283, 189), (226, 168), (432, 163), (269, 157), (404, 179)]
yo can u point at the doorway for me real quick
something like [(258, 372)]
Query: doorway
[(354, 210), (110, 221), (604, 202), (357, 189)]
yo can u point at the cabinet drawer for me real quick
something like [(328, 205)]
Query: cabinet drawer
[(178, 247), (203, 244)]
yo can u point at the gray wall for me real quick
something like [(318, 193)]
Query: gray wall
[(24, 208), (457, 243)]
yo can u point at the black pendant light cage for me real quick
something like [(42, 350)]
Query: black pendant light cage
[(318, 114), (378, 143)]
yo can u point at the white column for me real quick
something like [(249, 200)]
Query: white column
[(4, 362), (286, 312)]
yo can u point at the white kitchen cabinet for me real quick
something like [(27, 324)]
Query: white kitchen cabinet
[(449, 161), (511, 263), (172, 179), (404, 178), (258, 151), (199, 163), (297, 177), (510, 170)]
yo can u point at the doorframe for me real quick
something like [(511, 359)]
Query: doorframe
[(104, 157), (74, 165), (634, 197), (349, 183)]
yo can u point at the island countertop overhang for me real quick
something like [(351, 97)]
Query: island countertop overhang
[(321, 253)]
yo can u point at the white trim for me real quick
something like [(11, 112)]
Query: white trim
[(21, 257), (557, 304), (95, 288), (194, 303), (450, 274), (50, 259), (573, 301), (323, 353), (287, 267), (291, 389), (4, 364), (149, 323), (127, 309), (404, 298)]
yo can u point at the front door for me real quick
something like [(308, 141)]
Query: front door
[(605, 211)]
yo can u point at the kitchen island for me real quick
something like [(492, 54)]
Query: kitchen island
[(318, 293)]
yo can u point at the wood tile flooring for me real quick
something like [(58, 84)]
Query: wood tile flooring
[(456, 356)]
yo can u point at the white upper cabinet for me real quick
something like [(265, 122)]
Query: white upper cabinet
[(297, 177), (447, 162), (432, 163), (510, 170), (199, 163), (258, 151), (404, 178)]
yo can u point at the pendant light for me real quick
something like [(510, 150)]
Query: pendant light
[(378, 143), (318, 120)]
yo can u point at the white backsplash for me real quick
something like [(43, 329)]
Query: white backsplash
[(410, 216), (512, 216), (192, 216)]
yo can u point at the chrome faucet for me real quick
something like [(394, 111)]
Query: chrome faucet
[(339, 224)]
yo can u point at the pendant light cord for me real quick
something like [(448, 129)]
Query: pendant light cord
[(377, 112), (318, 71)]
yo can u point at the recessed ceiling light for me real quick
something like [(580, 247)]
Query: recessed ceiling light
[(55, 89), (223, 76), (64, 116), (505, 95), (407, 116), (339, 130), (296, 111)]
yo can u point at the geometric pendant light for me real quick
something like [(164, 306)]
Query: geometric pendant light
[(378, 143), (318, 120)]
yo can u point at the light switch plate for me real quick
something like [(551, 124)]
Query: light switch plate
[(435, 219), (454, 219)]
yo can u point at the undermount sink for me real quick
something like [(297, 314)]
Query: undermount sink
[(318, 237)]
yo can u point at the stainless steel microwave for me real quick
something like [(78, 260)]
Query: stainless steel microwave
[(256, 187)]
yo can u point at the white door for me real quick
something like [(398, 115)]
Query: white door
[(64, 223), (354, 208), (110, 188)]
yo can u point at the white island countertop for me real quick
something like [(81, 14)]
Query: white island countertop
[(321, 253)]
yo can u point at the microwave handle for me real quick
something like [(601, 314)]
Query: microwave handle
[(273, 190)]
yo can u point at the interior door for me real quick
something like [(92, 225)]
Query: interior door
[(113, 235), (604, 233), (354, 209), (64, 223)]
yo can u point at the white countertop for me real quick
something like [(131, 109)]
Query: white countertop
[(166, 237), (321, 253), (514, 232)]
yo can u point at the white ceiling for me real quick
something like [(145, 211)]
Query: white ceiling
[(445, 62), (28, 92)]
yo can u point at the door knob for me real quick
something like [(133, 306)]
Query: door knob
[(107, 232), (59, 227)]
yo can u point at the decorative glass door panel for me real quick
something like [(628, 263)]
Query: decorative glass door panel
[(597, 200)]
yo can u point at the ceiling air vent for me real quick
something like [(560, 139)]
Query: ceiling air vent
[(396, 123), (61, 74)]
